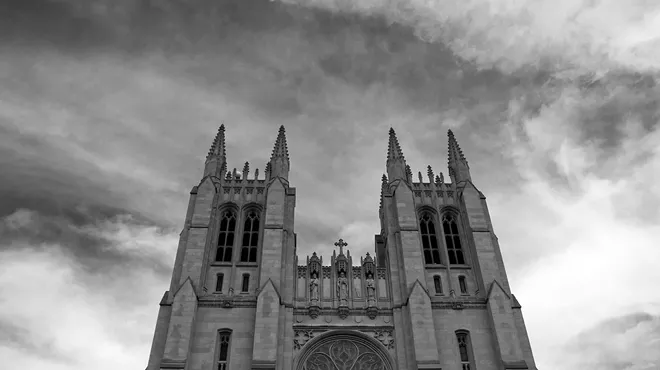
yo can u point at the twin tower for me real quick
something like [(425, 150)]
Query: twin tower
[(433, 295)]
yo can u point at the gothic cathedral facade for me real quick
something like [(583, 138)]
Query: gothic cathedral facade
[(434, 293)]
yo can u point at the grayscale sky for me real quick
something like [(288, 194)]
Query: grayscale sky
[(108, 107)]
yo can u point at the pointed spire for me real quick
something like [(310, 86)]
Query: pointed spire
[(429, 173), (217, 156), (218, 146), (280, 149), (458, 165), (279, 159), (394, 149), (455, 152), (396, 162)]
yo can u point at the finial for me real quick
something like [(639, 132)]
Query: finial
[(234, 174), (429, 173), (267, 169), (419, 176), (437, 180), (341, 244), (256, 174), (246, 170), (408, 173), (442, 178), (384, 180), (228, 177)]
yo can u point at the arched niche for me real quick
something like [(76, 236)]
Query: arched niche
[(344, 350)]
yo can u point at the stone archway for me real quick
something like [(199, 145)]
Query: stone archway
[(344, 350)]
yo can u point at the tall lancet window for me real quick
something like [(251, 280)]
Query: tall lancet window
[(429, 239), (223, 350), (464, 349), (226, 237), (250, 237), (452, 239)]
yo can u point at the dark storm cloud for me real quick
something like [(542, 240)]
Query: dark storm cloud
[(30, 23), (359, 50), (43, 178), (81, 233)]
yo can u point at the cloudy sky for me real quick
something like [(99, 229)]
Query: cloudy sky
[(108, 107)]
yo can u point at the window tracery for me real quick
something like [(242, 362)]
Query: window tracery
[(452, 239), (226, 237), (344, 353), (250, 237), (463, 349), (223, 350), (429, 239)]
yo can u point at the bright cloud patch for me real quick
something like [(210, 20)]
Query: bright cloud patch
[(600, 244), (596, 35), (56, 314)]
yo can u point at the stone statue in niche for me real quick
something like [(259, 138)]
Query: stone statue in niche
[(314, 287), (371, 287), (342, 289)]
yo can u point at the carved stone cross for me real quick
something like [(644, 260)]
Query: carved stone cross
[(341, 244)]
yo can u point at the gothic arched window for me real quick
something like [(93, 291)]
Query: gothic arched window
[(462, 284), (245, 286), (224, 337), (429, 239), (250, 237), (438, 284), (226, 237), (463, 339), (218, 282), (452, 239)]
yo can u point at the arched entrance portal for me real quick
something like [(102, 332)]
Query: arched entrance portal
[(344, 350)]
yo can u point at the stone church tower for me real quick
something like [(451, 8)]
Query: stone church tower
[(433, 295)]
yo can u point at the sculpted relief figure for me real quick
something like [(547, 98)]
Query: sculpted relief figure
[(342, 288), (371, 288), (314, 288)]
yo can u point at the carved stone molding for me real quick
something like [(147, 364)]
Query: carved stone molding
[(372, 312), (460, 305), (385, 337), (314, 311), (343, 312), (301, 337)]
